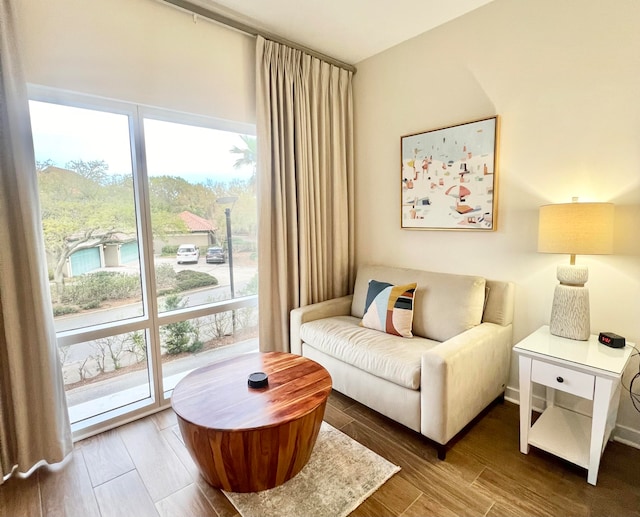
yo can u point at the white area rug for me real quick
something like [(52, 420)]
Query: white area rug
[(340, 475)]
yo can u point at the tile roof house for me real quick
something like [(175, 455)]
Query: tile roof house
[(201, 232), (195, 223)]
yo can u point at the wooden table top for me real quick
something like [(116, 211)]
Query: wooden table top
[(218, 397)]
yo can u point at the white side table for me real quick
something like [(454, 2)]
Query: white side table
[(587, 369)]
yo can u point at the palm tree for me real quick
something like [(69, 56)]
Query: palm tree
[(249, 155)]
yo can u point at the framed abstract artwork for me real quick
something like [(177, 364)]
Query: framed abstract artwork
[(449, 177)]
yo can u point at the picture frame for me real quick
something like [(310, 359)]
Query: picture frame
[(449, 177)]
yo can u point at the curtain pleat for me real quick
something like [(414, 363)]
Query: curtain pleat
[(34, 423), (305, 169)]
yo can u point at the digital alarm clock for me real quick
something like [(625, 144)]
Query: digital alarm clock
[(611, 339)]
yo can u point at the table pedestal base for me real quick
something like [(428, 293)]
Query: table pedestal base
[(253, 460)]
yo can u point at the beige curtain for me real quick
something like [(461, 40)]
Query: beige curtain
[(34, 425), (305, 169)]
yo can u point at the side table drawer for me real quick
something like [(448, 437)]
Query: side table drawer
[(563, 379)]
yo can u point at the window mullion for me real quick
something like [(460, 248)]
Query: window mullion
[(150, 299)]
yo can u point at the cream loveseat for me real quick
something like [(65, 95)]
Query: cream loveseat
[(437, 381)]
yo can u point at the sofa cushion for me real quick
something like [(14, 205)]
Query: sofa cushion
[(391, 357), (445, 304), (389, 308)]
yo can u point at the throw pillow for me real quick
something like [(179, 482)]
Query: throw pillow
[(389, 308)]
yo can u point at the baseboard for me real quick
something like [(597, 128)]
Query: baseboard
[(620, 433), (513, 395), (627, 435)]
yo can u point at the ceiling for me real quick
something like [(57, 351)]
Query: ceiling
[(348, 30)]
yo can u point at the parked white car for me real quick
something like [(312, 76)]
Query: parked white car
[(188, 253)]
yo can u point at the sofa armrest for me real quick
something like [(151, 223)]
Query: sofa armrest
[(461, 376), (316, 311)]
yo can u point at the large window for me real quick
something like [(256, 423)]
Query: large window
[(150, 223)]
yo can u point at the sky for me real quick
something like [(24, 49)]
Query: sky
[(64, 133)]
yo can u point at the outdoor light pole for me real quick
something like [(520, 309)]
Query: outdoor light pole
[(227, 213)]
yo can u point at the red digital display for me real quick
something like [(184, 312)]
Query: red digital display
[(611, 339)]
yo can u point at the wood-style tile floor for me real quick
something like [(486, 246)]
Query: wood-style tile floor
[(142, 469)]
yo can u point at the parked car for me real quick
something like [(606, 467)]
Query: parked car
[(188, 253), (216, 255)]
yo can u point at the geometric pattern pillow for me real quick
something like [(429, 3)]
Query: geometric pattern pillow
[(389, 308)]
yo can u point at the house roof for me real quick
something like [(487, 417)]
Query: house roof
[(195, 223)]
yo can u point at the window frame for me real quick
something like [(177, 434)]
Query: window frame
[(151, 319)]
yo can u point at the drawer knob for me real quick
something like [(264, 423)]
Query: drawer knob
[(559, 379)]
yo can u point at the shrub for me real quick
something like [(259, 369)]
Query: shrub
[(165, 276), (61, 310), (178, 337), (240, 244), (251, 287), (246, 317), (221, 323), (137, 345), (181, 336), (169, 250), (101, 286), (188, 279), (173, 302), (195, 346)]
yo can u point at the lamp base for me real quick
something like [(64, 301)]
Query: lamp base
[(570, 309)]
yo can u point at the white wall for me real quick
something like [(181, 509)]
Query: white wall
[(563, 76), (141, 51)]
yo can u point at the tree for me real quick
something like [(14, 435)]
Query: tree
[(249, 156), (78, 212), (42, 165), (173, 194), (244, 216), (86, 207), (95, 170)]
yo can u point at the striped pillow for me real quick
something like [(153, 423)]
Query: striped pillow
[(389, 308)]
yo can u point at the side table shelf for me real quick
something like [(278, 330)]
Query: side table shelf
[(563, 433), (586, 369)]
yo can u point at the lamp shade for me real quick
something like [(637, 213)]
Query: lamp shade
[(576, 228)]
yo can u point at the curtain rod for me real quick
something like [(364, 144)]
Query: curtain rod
[(253, 31)]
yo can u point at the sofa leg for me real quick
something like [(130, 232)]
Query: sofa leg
[(442, 449)]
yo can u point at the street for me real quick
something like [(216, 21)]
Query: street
[(242, 275), (75, 355)]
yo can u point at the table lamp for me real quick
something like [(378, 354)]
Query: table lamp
[(577, 229)]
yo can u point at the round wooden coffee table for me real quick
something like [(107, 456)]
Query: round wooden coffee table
[(245, 439)]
